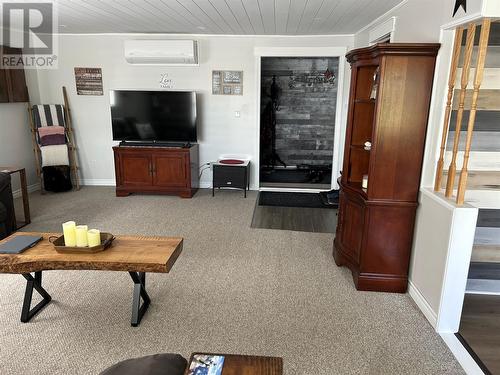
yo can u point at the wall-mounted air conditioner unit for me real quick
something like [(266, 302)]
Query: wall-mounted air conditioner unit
[(164, 52)]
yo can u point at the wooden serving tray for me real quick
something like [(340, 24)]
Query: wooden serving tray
[(58, 242)]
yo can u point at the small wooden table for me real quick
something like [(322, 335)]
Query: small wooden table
[(24, 193), (132, 254), (234, 176), (235, 364)]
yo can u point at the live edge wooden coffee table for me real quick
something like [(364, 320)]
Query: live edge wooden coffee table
[(135, 255)]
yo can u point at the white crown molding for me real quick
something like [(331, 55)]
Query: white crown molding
[(158, 36), (463, 20), (382, 17)]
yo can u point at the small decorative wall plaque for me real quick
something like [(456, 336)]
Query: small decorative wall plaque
[(227, 82), (311, 78), (88, 81)]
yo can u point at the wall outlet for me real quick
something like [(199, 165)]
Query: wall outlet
[(237, 114)]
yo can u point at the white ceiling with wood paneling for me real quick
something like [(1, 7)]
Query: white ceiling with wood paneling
[(232, 17)]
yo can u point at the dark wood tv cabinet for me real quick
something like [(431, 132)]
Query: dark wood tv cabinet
[(156, 170)]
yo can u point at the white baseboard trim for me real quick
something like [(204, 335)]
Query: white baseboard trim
[(31, 188), (98, 182), (112, 182), (457, 349), (461, 354), (208, 185), (422, 304)]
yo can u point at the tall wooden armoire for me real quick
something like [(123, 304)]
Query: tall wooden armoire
[(389, 101)]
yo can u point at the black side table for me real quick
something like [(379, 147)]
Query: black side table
[(24, 194), (235, 176)]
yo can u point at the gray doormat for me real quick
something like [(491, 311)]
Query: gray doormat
[(288, 199)]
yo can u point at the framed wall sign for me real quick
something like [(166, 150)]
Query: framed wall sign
[(227, 82), (88, 81)]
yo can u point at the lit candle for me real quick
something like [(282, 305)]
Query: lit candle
[(364, 183), (81, 235), (69, 231), (94, 237)]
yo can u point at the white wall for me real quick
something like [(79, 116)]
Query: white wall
[(420, 21), (16, 149), (426, 21), (219, 130), (444, 234)]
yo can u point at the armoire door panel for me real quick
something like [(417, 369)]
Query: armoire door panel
[(389, 239), (404, 106), (170, 170), (136, 169), (352, 228)]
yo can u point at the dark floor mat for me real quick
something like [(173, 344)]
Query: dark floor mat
[(286, 199), (313, 220), (300, 176)]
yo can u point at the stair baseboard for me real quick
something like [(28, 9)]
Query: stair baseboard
[(479, 286), (486, 253)]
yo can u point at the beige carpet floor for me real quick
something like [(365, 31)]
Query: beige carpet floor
[(233, 290)]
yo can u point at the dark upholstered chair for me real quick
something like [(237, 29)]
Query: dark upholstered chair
[(3, 219), (157, 364), (7, 216)]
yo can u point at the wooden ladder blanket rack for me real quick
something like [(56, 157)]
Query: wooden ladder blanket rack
[(68, 129)]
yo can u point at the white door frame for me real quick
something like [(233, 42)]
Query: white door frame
[(339, 52)]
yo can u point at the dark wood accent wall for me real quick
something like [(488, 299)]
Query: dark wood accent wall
[(12, 81), (375, 226), (158, 170), (305, 121)]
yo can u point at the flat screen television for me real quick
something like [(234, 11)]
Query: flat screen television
[(153, 116)]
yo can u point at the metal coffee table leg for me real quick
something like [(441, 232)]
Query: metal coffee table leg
[(33, 283), (138, 310)]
